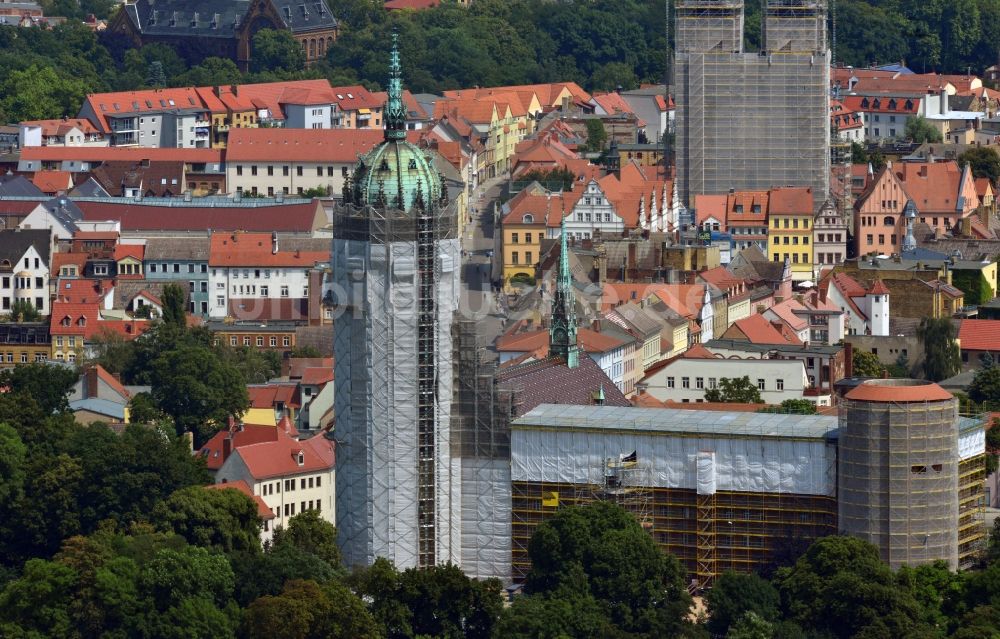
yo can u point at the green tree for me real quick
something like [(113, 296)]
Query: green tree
[(305, 610), (612, 75), (736, 390), (155, 77), (858, 153), (733, 595), (142, 410), (47, 384), (212, 72), (751, 626), (985, 387), (570, 555), (798, 407), (865, 364), (111, 351), (919, 130), (553, 179), (24, 311), (436, 602), (942, 358), (40, 599), (309, 532), (985, 162), (305, 351), (198, 390), (173, 306), (12, 456), (841, 588), (224, 519), (596, 135), (39, 93), (975, 286), (276, 50), (901, 368)]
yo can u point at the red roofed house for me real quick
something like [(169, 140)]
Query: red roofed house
[(745, 217), (847, 124), (757, 329), (291, 476), (128, 261), (60, 132), (53, 182), (252, 278), (943, 192), (263, 510), (886, 103), (866, 309), (270, 161), (976, 338), (879, 225), (72, 327)]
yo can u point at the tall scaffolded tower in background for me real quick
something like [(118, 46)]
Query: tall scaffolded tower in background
[(751, 121), (396, 257)]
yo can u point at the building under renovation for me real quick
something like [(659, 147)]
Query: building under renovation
[(751, 120), (737, 491), (396, 259), (718, 490), (911, 473)]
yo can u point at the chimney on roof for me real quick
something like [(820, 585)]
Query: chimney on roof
[(227, 447), (596, 325), (274, 242)]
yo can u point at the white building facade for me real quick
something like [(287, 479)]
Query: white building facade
[(687, 379)]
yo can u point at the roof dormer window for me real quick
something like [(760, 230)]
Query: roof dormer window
[(892, 104), (66, 321), (82, 321), (864, 103), (528, 218)]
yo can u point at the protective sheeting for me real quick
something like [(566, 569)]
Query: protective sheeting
[(706, 473), (745, 463), (375, 342), (486, 508), (971, 438)]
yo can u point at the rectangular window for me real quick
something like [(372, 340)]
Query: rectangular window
[(273, 342), (260, 340), (515, 257), (286, 341), (220, 301), (780, 384), (699, 383), (685, 382), (233, 341), (270, 170), (302, 485), (760, 384), (670, 382), (298, 171), (284, 290), (712, 383), (253, 170)]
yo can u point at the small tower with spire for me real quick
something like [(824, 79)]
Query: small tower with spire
[(562, 332)]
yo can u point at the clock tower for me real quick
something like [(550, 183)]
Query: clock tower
[(562, 333)]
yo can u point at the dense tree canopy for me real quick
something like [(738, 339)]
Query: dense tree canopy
[(736, 390), (942, 357)]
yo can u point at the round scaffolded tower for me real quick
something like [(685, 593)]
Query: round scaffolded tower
[(898, 470)]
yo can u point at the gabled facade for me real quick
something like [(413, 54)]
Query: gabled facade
[(879, 226), (24, 268), (790, 230), (829, 237)]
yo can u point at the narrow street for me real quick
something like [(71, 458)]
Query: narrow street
[(478, 301)]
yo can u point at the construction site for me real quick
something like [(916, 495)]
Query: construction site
[(743, 491), (751, 120), (720, 491)]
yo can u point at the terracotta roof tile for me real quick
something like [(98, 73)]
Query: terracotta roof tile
[(213, 454), (979, 335), (279, 458), (898, 391), (255, 249), (757, 330), (297, 217)]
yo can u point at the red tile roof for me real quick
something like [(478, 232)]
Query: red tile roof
[(291, 217), (936, 187), (892, 391), (255, 249), (263, 511), (63, 259), (979, 335), (881, 104), (68, 318), (61, 126), (758, 330), (135, 251), (151, 100), (280, 458), (131, 154), (269, 395), (212, 452), (52, 182), (316, 376), (878, 287), (790, 200), (302, 145)]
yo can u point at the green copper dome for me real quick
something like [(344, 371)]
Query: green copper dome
[(395, 174)]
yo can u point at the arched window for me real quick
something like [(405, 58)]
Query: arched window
[(312, 48), (888, 221), (528, 218)]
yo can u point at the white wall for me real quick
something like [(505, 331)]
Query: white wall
[(791, 372), (250, 283)]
